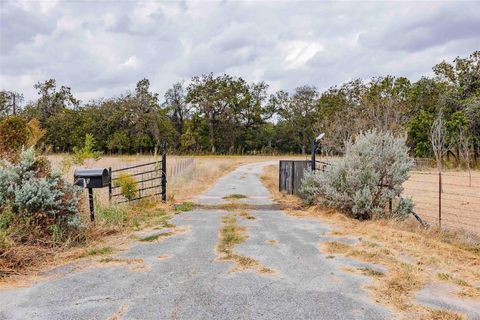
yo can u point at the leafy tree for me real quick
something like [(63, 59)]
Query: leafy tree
[(52, 101), (230, 115), (299, 114), (10, 102), (214, 99), (178, 109), (119, 141)]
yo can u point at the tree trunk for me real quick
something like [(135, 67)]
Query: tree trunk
[(211, 127)]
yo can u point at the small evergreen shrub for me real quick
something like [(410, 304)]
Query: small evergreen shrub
[(38, 198), (361, 184), (80, 155), (87, 151)]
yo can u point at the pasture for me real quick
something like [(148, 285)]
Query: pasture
[(460, 199)]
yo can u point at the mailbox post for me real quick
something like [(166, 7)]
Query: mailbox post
[(315, 145), (91, 203), (92, 178)]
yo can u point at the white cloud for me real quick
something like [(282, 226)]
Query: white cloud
[(103, 48), (300, 52)]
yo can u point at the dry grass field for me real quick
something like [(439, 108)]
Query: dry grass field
[(460, 198)]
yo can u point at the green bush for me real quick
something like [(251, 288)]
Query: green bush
[(14, 135), (37, 198), (128, 186), (361, 184)]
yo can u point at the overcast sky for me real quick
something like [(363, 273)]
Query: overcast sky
[(102, 48)]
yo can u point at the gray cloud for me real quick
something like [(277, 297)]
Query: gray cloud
[(103, 48)]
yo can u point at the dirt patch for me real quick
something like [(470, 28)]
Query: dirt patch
[(247, 216), (140, 267), (237, 206), (118, 315), (160, 236), (230, 235), (445, 296)]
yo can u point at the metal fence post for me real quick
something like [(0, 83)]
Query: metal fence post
[(440, 199), (110, 185), (314, 151), (164, 172)]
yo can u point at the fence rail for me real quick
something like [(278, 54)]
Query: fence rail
[(150, 178)]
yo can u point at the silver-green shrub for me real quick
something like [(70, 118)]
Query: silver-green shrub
[(372, 171), (35, 194)]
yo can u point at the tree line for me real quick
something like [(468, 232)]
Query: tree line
[(228, 115)]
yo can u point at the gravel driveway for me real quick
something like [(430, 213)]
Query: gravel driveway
[(181, 276)]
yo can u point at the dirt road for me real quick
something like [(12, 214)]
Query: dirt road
[(181, 276)]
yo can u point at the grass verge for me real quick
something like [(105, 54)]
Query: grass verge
[(230, 235)]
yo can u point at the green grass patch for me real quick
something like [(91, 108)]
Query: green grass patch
[(156, 236), (183, 207), (235, 196), (150, 238), (371, 272), (113, 215), (99, 251), (231, 235)]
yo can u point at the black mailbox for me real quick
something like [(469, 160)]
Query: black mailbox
[(92, 178)]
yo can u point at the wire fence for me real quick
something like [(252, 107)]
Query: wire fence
[(179, 167), (450, 200)]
